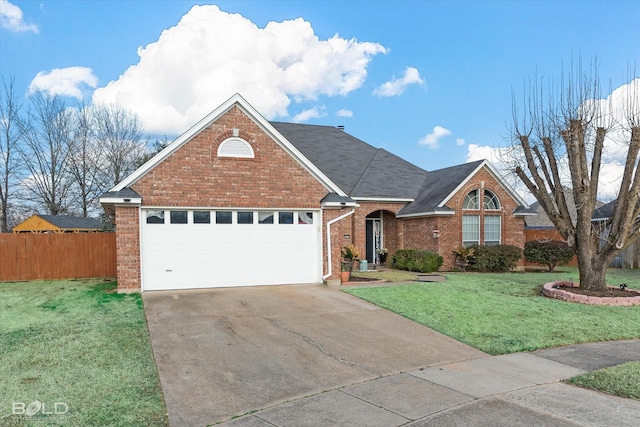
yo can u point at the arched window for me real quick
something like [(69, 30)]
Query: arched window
[(491, 201), (472, 201), (235, 147)]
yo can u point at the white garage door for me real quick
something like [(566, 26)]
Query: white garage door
[(200, 248)]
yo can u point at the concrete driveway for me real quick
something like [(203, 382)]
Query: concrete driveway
[(225, 352)]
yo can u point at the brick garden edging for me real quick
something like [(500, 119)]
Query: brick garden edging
[(549, 291)]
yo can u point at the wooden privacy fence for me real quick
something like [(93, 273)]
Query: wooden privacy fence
[(57, 256)]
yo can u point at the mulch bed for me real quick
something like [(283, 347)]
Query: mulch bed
[(610, 292), (362, 279)]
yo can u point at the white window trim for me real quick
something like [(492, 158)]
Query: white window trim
[(245, 152)]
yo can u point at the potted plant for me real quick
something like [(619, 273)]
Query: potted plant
[(382, 255), (350, 254)]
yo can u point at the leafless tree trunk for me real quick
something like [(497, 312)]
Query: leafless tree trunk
[(45, 152), (119, 132), (559, 139), (85, 162), (11, 134)]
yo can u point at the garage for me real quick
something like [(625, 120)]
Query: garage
[(205, 248)]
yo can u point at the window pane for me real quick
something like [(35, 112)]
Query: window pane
[(265, 217), (491, 200), (492, 231), (470, 230), (223, 217), (305, 217), (285, 217), (245, 217), (201, 217), (471, 201), (155, 217), (178, 217)]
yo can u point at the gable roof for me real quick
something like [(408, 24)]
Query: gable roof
[(359, 169), (235, 101)]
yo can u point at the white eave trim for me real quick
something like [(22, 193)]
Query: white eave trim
[(339, 205), (236, 99), (432, 213), (525, 214), (121, 201), (496, 175)]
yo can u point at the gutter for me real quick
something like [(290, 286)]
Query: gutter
[(341, 217)]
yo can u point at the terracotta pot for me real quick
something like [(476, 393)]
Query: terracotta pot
[(344, 276)]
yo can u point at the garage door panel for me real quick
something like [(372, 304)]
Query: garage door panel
[(183, 256)]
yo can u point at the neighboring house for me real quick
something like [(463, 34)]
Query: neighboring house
[(238, 200), (628, 258), (58, 224)]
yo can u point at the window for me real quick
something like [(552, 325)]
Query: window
[(285, 217), (235, 147), (305, 217), (201, 217), (223, 217), (265, 217), (492, 230), (472, 201), (178, 217), (155, 217), (245, 217), (491, 201), (470, 230)]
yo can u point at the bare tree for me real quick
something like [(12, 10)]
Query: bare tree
[(10, 136), (560, 137), (119, 132), (84, 162), (47, 136)]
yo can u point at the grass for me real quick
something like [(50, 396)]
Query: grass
[(80, 344), (622, 380), (505, 313)]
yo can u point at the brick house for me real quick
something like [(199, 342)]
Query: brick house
[(238, 200)]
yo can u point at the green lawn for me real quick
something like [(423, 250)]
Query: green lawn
[(80, 345), (506, 313)]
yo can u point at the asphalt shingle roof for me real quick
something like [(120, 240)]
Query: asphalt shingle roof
[(358, 168), (437, 186), (72, 222)]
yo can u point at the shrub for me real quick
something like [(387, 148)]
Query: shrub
[(417, 260), (498, 258), (550, 253)]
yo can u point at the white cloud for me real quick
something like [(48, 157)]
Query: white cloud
[(344, 113), (431, 140), (395, 87), (311, 113), (11, 18), (616, 109), (64, 81), (211, 54), (460, 141)]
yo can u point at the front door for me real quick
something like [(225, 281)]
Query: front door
[(374, 239)]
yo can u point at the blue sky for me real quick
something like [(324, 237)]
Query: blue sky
[(430, 81)]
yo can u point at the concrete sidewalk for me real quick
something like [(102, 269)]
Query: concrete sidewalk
[(521, 389)]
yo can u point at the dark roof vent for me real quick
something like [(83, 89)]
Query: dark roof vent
[(340, 127)]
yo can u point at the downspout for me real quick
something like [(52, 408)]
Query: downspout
[(341, 217)]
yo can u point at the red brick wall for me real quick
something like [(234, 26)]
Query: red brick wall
[(418, 232), (128, 248), (389, 224), (195, 176)]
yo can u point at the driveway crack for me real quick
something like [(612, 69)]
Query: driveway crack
[(278, 324)]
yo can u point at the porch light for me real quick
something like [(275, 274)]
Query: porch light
[(436, 234)]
